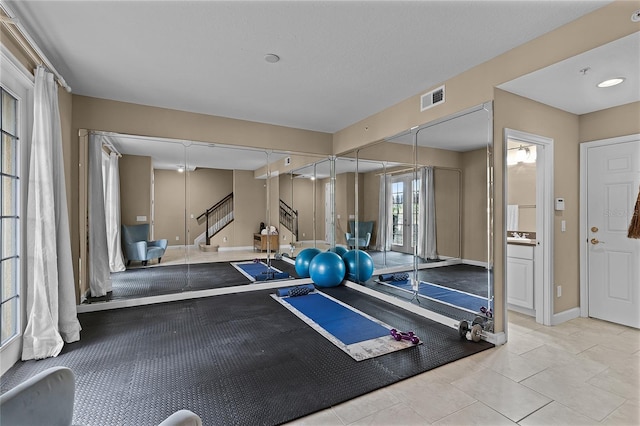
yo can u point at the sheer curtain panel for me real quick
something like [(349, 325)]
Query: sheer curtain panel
[(51, 302), (427, 215), (98, 262), (112, 214)]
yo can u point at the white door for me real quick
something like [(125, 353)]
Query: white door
[(613, 259)]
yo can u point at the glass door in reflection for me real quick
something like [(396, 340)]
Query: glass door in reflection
[(404, 212)]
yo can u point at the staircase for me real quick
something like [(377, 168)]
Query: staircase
[(289, 218), (216, 217)]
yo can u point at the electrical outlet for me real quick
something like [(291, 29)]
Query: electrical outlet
[(225, 239), (559, 291), (303, 234), (284, 237), (177, 238)]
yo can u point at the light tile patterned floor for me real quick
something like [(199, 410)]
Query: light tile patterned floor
[(582, 372)]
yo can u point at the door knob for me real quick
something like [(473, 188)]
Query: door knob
[(595, 241), (594, 229)]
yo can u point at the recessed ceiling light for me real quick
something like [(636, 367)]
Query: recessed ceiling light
[(611, 82), (271, 58)]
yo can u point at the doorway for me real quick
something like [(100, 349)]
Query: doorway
[(404, 212), (529, 253), (610, 275)]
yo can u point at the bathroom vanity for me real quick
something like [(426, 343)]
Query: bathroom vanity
[(520, 262)]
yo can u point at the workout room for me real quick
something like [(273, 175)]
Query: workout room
[(269, 218)]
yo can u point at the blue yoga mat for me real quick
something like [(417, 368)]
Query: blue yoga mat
[(343, 323), (259, 271), (468, 301)]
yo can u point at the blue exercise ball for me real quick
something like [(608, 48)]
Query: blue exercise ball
[(359, 265), (339, 250), (327, 269), (303, 259)]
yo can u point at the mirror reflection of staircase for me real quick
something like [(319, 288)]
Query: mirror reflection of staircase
[(216, 218)]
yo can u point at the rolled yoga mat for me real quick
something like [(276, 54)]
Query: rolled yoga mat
[(400, 276), (299, 290)]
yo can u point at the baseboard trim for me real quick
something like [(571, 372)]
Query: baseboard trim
[(565, 316)]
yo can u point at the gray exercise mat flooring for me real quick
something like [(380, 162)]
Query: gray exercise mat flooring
[(171, 279), (239, 359)]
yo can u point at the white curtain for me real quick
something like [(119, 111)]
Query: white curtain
[(51, 301), (385, 236), (427, 215), (112, 214), (98, 263)]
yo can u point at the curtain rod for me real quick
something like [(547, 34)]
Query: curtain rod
[(106, 142), (21, 35), (410, 169)]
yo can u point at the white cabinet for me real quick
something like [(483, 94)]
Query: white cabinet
[(520, 275)]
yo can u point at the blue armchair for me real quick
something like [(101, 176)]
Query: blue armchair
[(136, 247), (365, 229)]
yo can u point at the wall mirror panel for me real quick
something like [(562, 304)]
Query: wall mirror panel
[(205, 206), (311, 187), (436, 213)]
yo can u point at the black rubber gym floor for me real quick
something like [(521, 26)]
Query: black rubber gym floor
[(239, 359), (171, 279)]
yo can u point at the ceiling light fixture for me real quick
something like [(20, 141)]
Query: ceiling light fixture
[(271, 58), (522, 154), (180, 168), (635, 16), (611, 82)]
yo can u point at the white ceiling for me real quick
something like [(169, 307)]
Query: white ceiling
[(341, 61), (566, 86)]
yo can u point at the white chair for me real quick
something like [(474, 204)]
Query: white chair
[(47, 399)]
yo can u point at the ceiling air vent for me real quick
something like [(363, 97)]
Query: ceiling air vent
[(432, 98)]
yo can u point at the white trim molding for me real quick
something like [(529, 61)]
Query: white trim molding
[(543, 288)]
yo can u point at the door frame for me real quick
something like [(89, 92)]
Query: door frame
[(584, 275), (543, 260), (407, 180)]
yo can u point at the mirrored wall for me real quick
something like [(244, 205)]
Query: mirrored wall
[(184, 211), (418, 203)]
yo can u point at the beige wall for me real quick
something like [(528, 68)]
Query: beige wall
[(523, 114), (250, 200), (448, 194), (610, 123), (474, 205), (169, 206), (135, 188)]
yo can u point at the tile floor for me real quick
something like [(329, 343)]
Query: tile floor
[(582, 372)]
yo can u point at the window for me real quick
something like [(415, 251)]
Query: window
[(9, 218)]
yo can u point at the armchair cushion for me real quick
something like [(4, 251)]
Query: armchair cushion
[(365, 229), (137, 247), (46, 398)]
